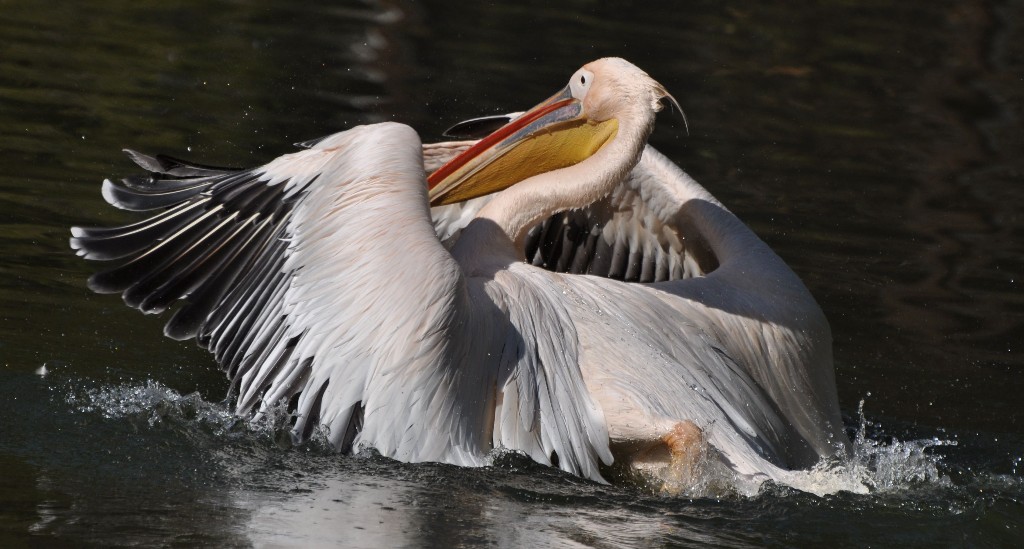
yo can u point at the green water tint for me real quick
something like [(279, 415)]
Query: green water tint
[(875, 147)]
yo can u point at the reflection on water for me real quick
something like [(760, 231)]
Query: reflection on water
[(311, 496), (875, 146), (233, 484), (965, 209)]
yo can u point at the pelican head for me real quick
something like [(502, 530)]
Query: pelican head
[(604, 100)]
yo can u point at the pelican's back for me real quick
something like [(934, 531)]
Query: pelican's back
[(660, 227)]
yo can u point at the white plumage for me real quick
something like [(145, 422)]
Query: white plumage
[(319, 278)]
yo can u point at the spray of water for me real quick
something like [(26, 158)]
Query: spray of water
[(160, 406), (875, 466)]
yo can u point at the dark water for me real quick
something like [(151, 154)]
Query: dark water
[(877, 146)]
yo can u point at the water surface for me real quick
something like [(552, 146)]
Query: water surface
[(877, 148)]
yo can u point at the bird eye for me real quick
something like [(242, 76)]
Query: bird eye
[(580, 82)]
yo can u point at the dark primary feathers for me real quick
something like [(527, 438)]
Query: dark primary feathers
[(217, 245), (218, 242), (619, 238)]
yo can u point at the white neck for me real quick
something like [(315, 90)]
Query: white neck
[(526, 203)]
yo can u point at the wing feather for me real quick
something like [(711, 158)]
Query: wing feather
[(543, 405), (631, 235), (268, 267), (217, 245)]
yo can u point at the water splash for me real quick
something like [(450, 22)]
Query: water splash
[(876, 466), (157, 405), (896, 465)]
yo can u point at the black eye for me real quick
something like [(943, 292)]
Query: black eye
[(583, 79)]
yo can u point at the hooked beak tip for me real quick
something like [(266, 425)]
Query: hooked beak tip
[(674, 103)]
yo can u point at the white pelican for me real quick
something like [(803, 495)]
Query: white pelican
[(318, 279)]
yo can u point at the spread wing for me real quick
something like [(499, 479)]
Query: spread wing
[(221, 244), (632, 235), (316, 280), (658, 226)]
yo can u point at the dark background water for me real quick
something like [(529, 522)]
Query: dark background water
[(877, 146)]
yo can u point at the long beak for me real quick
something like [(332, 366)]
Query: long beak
[(552, 135)]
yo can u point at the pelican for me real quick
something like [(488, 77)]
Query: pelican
[(649, 327)]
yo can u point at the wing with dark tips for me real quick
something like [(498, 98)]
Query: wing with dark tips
[(632, 235), (212, 223), (215, 245)]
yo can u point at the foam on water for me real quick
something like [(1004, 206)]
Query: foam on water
[(153, 400), (160, 406), (875, 466)]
